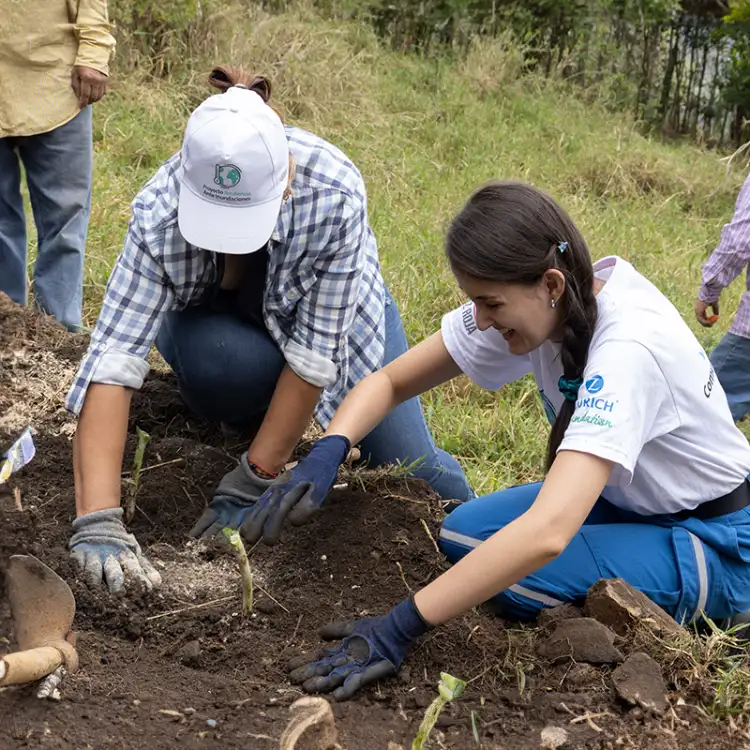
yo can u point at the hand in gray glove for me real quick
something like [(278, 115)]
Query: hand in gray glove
[(236, 494), (103, 549)]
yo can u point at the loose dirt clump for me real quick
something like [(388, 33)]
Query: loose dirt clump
[(639, 681), (182, 666), (581, 639), (38, 359)]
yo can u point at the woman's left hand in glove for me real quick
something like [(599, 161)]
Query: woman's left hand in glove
[(372, 648)]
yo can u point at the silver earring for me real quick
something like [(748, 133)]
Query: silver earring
[(553, 303)]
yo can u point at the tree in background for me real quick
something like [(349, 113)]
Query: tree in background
[(736, 84), (681, 66)]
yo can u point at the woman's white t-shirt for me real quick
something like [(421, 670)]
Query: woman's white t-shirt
[(650, 402)]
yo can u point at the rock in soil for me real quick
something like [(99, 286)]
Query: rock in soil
[(312, 726), (581, 639), (639, 681), (266, 606), (548, 618), (581, 674), (190, 654), (553, 737), (615, 603)]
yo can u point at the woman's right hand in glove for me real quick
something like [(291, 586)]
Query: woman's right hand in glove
[(236, 494), (106, 552)]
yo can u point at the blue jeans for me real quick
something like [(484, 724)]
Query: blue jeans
[(688, 567), (227, 372), (731, 361), (58, 167)]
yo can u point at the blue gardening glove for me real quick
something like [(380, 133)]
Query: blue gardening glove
[(372, 648), (104, 550), (297, 494), (237, 492)]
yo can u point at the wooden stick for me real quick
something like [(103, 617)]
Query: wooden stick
[(432, 538), (263, 591), (17, 499), (156, 466), (296, 630), (403, 577), (192, 607), (484, 671), (588, 718)]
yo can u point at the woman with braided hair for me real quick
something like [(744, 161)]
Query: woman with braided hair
[(250, 263), (635, 486)]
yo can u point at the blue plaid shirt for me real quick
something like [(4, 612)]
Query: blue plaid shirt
[(324, 295)]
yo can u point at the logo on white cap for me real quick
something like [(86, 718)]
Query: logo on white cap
[(228, 175)]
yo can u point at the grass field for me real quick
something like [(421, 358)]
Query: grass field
[(425, 134)]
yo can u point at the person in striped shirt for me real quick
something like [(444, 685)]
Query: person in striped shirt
[(731, 357), (250, 263)]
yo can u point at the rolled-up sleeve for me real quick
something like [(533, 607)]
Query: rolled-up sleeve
[(96, 44), (138, 295), (318, 347), (732, 253)]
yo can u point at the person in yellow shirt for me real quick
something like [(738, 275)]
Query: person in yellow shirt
[(54, 57)]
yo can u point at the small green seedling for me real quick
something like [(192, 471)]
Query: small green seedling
[(474, 730), (449, 689), (135, 476), (235, 540)]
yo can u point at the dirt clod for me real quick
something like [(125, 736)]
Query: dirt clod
[(553, 737), (190, 654), (583, 640), (639, 681), (266, 606), (582, 674), (312, 726), (615, 603), (550, 617)]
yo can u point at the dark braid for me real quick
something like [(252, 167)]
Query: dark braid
[(579, 319), (511, 232)]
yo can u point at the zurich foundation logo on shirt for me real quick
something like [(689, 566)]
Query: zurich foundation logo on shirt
[(594, 384), (597, 409), (227, 175)]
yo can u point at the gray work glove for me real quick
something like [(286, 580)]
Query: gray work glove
[(236, 494), (104, 550)]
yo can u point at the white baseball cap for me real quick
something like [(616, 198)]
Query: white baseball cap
[(233, 173)]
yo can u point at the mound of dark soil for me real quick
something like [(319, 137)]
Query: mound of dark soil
[(181, 666)]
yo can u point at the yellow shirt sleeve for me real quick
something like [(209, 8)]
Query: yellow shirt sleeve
[(92, 28)]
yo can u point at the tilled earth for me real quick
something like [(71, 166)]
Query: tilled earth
[(182, 667)]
